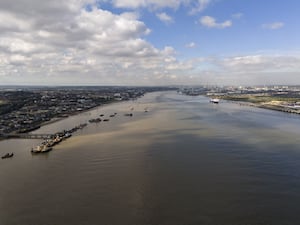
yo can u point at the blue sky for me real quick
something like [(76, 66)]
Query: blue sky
[(149, 42), (245, 35)]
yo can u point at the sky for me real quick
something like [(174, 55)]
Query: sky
[(149, 42)]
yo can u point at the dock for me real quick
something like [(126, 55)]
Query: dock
[(28, 136)]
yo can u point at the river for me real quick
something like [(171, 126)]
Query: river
[(183, 162)]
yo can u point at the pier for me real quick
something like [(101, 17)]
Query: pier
[(42, 136), (29, 136)]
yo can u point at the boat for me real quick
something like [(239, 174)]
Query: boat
[(82, 125), (67, 135), (57, 139), (50, 143), (92, 120), (41, 149), (215, 100), (8, 155), (95, 120)]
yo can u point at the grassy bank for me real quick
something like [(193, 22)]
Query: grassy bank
[(279, 103)]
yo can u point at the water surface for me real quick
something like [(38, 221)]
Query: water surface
[(184, 162)]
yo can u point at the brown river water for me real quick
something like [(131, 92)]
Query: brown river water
[(183, 162)]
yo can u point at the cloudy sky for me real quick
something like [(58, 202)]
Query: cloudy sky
[(149, 42)]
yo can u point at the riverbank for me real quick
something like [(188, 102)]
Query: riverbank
[(282, 104), (24, 109), (57, 119)]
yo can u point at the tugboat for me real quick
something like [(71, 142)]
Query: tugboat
[(215, 100), (41, 149), (8, 155), (98, 120)]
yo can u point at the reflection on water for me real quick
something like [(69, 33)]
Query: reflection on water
[(185, 161)]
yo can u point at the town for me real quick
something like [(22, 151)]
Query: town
[(24, 109), (280, 98)]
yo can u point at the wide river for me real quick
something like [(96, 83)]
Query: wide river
[(183, 162)]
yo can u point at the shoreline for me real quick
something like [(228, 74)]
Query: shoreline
[(57, 119), (265, 106)]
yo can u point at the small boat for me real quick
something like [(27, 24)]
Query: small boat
[(215, 100), (8, 155), (95, 120), (105, 120), (128, 114), (50, 143), (67, 135), (41, 149), (82, 125), (57, 139)]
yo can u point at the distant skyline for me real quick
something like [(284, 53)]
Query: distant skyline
[(149, 42)]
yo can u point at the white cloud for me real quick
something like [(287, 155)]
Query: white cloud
[(9, 22), (199, 5), (273, 26), (195, 5), (57, 42), (210, 22), (247, 69), (190, 45), (261, 69), (130, 15), (156, 4), (164, 17), (262, 63)]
